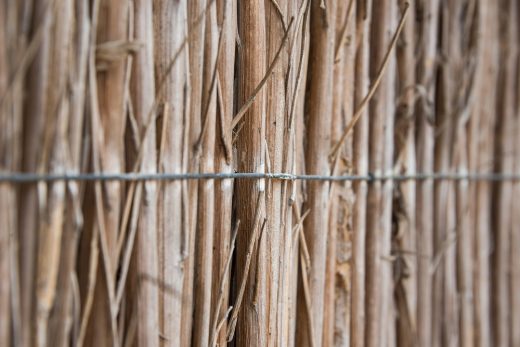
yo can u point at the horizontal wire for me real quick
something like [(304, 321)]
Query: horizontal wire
[(22, 177)]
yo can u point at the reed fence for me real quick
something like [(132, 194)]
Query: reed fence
[(259, 173)]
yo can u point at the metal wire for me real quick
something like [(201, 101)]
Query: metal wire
[(22, 177)]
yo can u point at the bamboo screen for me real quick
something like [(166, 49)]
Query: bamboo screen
[(406, 116)]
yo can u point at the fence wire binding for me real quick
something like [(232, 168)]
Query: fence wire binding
[(23, 177)]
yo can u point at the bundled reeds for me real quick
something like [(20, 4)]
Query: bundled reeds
[(381, 140)]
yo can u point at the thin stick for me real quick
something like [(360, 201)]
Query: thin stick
[(128, 250), (221, 324), (306, 292)]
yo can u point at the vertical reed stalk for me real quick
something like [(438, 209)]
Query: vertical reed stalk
[(197, 12), (405, 238), (53, 160), (142, 93), (293, 152), (34, 120), (450, 95), (379, 200), (7, 163), (461, 159), (515, 237), (170, 30), (205, 216), (482, 125), (226, 18), (504, 149), (318, 126), (426, 79), (276, 97), (62, 318), (339, 271), (362, 84), (253, 323)]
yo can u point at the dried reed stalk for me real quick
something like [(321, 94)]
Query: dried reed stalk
[(450, 95), (379, 199), (39, 16), (226, 17), (276, 117), (515, 237), (9, 160), (170, 21), (252, 325), (464, 231), (362, 83), (319, 113), (142, 96), (293, 162), (426, 80), (481, 132), (204, 235), (504, 148), (405, 237), (338, 276), (62, 321)]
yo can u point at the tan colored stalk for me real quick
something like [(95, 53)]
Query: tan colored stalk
[(464, 231), (34, 120), (379, 199), (226, 18), (299, 44), (450, 93), (388, 107), (360, 149), (142, 94), (338, 280), (112, 25), (514, 283), (405, 266), (504, 151), (205, 216), (333, 228), (426, 78), (275, 90), (343, 297), (170, 20), (192, 130), (52, 196), (7, 201), (481, 130), (253, 319), (62, 320), (318, 127)]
